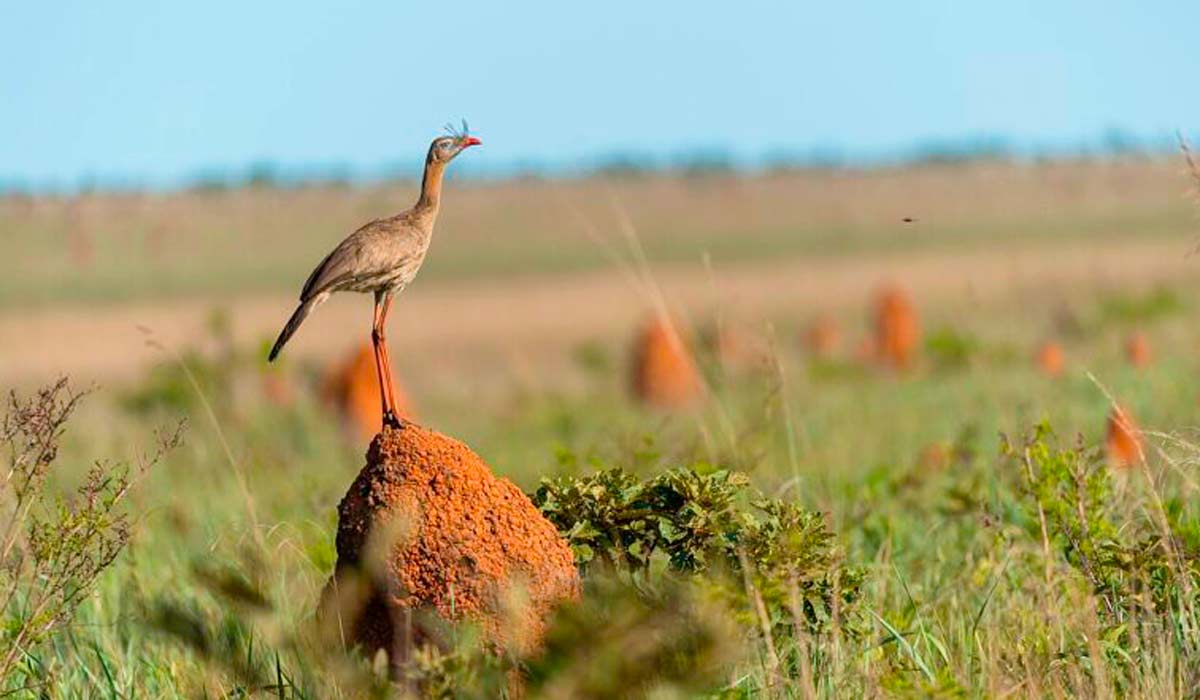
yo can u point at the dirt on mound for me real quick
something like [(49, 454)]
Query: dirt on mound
[(664, 372), (427, 534), (351, 386)]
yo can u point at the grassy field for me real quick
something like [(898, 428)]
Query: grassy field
[(978, 580), (96, 249)]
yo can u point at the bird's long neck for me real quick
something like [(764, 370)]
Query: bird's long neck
[(431, 188)]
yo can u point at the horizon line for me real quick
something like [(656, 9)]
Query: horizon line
[(697, 160)]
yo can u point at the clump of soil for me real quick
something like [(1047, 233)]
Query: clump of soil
[(1137, 350), (897, 331), (426, 535), (352, 388), (1123, 443), (664, 371), (822, 337), (1050, 359)]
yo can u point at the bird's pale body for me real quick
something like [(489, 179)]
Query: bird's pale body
[(382, 257)]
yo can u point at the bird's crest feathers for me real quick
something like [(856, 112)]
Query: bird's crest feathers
[(456, 132)]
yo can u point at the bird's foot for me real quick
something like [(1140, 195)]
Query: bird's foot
[(391, 421)]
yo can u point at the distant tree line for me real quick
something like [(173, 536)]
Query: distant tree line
[(696, 162)]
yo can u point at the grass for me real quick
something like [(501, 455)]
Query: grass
[(945, 580), (962, 597), (104, 250)]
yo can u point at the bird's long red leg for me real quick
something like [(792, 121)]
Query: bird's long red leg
[(379, 344), (386, 389)]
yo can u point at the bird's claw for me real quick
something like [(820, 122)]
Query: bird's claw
[(391, 421)]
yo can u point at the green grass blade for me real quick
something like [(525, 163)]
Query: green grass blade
[(908, 648)]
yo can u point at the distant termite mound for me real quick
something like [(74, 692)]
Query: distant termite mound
[(351, 387), (428, 535), (664, 371), (1123, 442), (897, 330), (1049, 359), (1137, 350), (822, 337)]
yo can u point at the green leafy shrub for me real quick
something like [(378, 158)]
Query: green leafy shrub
[(691, 521), (1133, 565)]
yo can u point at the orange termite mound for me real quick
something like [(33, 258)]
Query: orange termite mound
[(897, 330), (664, 372), (352, 388), (1137, 350), (1050, 359), (822, 337), (427, 534), (1123, 443)]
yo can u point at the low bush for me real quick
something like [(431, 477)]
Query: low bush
[(777, 562)]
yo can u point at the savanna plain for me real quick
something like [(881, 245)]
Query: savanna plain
[(1004, 506)]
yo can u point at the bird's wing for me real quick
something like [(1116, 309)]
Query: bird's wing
[(346, 260)]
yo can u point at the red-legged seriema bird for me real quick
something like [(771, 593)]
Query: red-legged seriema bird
[(382, 257)]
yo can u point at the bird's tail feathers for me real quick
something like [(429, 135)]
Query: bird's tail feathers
[(293, 323)]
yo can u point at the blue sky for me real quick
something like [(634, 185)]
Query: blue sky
[(158, 91)]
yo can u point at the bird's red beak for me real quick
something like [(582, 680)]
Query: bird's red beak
[(472, 141)]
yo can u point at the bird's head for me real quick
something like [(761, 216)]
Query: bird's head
[(445, 148)]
